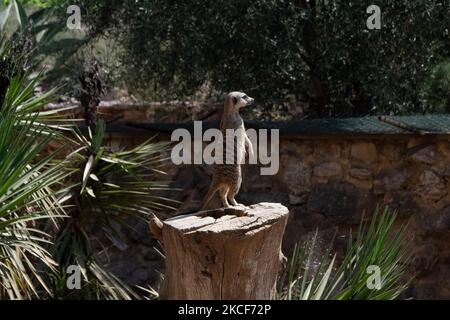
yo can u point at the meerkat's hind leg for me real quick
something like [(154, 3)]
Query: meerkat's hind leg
[(231, 194), (240, 211), (223, 191), (233, 201)]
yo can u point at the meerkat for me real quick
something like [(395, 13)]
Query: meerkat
[(227, 178)]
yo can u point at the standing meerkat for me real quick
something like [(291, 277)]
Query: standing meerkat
[(227, 177)]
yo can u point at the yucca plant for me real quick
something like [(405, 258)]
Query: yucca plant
[(377, 248), (17, 76), (110, 190), (53, 205), (26, 195)]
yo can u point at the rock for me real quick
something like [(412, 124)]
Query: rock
[(390, 180), (295, 174), (313, 221), (391, 151), (364, 152), (443, 148), (446, 172), (434, 222), (431, 186), (328, 170), (424, 259), (296, 200), (400, 201), (428, 155), (336, 200), (429, 177), (327, 151), (298, 212), (443, 280), (254, 181), (184, 178), (362, 174), (424, 290), (415, 141), (363, 184), (362, 178), (291, 148)]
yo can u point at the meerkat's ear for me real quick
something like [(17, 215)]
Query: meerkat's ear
[(235, 100)]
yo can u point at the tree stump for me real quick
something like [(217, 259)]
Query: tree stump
[(217, 254)]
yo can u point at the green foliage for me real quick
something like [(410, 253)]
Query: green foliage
[(26, 192), (34, 3), (376, 244), (51, 207), (40, 32), (24, 187), (437, 89), (319, 53), (108, 189)]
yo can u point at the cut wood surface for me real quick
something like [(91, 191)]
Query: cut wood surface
[(222, 254)]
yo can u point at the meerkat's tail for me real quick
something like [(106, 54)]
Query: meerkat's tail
[(212, 190), (206, 199)]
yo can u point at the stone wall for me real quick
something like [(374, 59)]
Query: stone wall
[(327, 180), (331, 181)]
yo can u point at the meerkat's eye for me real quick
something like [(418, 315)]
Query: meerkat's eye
[(245, 97)]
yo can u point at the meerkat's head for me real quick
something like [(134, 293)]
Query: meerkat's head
[(237, 100)]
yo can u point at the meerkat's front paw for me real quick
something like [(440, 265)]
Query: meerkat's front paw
[(251, 153)]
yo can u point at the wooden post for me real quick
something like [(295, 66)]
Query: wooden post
[(219, 255)]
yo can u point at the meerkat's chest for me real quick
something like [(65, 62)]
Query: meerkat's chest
[(234, 140)]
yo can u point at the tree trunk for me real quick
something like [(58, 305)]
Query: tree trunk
[(226, 257)]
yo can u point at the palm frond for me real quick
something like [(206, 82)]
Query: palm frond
[(26, 186), (376, 247), (110, 190)]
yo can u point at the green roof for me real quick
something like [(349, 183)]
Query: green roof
[(416, 124)]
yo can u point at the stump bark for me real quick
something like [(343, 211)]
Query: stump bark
[(221, 254)]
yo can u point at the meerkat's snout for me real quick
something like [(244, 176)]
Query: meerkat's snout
[(240, 99), (250, 102)]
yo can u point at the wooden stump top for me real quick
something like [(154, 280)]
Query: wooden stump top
[(229, 220)]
